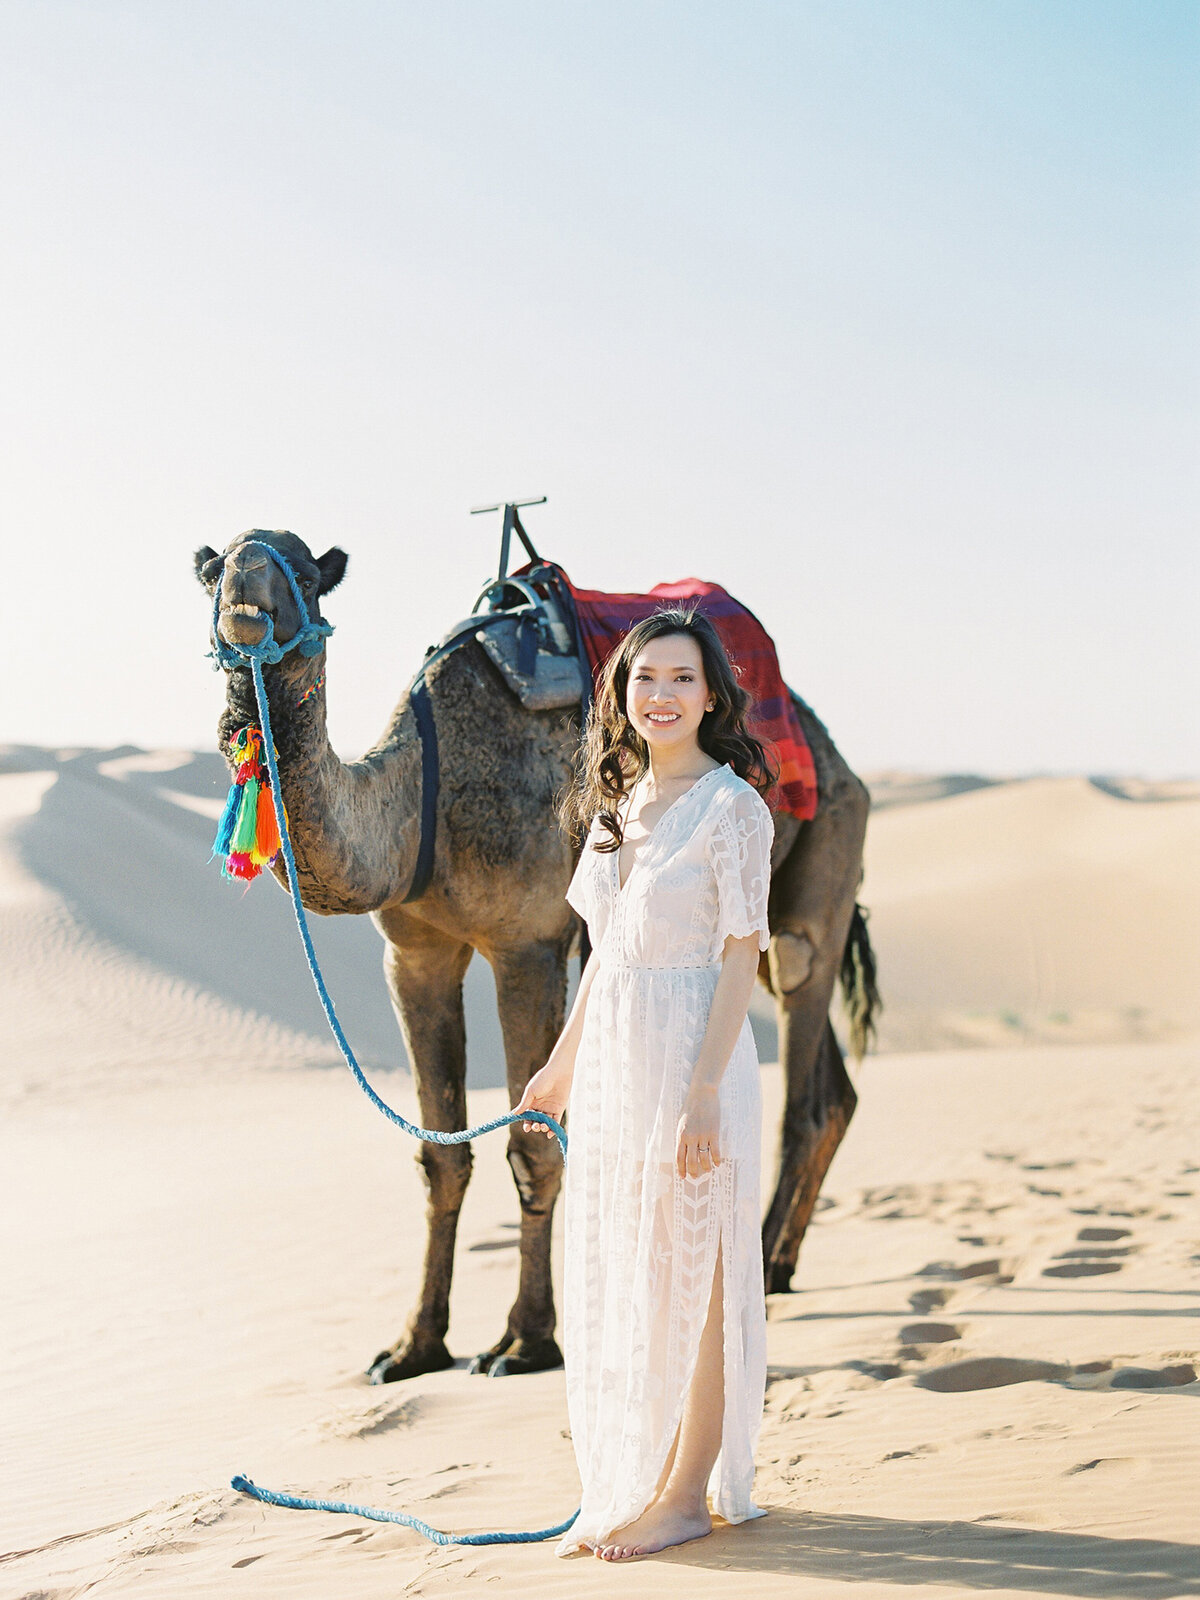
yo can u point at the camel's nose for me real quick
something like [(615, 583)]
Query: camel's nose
[(246, 580), (245, 596)]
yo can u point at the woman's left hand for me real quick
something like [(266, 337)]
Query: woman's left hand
[(699, 1147)]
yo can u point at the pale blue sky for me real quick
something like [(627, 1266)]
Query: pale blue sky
[(882, 314)]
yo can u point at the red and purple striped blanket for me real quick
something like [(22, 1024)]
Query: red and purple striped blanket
[(604, 619)]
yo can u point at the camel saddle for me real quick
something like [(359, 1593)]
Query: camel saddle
[(526, 625), (536, 646), (539, 630), (549, 640)]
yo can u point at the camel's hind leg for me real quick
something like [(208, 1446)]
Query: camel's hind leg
[(531, 989), (812, 902), (424, 976)]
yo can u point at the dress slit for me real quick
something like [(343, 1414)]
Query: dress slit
[(681, 1388)]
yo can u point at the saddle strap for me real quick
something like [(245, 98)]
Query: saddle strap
[(418, 692), (422, 707)]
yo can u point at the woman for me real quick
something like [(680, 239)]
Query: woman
[(664, 1322)]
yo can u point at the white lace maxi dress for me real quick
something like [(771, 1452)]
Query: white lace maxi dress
[(640, 1243)]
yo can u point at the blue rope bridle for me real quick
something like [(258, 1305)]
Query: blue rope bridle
[(310, 641), (309, 638)]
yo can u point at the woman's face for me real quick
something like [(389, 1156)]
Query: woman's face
[(668, 693)]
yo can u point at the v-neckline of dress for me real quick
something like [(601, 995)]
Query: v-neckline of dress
[(647, 841)]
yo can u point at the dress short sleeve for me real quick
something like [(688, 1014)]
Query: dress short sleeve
[(740, 855), (577, 896), (581, 891)]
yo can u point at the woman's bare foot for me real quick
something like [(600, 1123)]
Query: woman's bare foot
[(658, 1527)]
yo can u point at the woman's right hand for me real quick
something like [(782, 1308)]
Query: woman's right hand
[(548, 1091)]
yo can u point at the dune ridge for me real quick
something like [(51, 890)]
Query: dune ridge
[(1042, 911), (1015, 912)]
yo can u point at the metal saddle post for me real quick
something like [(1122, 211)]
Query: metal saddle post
[(537, 654)]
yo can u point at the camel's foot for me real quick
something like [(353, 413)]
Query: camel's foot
[(512, 1356), (409, 1359), (779, 1276)]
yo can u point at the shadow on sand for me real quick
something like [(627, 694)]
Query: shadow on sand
[(960, 1555)]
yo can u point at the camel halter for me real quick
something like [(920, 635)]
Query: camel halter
[(309, 641), (247, 835)]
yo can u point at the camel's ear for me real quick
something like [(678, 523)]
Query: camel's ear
[(208, 566), (332, 567)]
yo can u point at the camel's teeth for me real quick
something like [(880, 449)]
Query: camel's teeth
[(243, 611)]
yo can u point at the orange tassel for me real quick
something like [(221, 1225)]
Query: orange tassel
[(266, 834)]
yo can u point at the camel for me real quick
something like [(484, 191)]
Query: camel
[(500, 870)]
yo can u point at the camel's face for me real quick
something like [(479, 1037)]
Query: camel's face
[(252, 587)]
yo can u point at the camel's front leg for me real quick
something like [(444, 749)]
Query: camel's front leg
[(425, 975), (812, 902), (531, 987)]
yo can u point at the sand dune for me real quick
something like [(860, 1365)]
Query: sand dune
[(1049, 909), (109, 851), (1046, 910)]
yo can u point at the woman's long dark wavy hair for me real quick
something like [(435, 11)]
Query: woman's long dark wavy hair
[(613, 755)]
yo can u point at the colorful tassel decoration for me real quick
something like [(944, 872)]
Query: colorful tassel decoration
[(248, 833), (267, 842)]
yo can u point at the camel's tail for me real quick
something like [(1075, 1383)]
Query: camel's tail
[(859, 987)]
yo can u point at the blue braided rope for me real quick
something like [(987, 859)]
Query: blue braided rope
[(431, 1135), (295, 1502), (271, 652)]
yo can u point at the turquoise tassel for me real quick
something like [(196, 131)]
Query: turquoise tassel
[(223, 842), (247, 819)]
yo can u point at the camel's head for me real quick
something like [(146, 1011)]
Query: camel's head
[(252, 587)]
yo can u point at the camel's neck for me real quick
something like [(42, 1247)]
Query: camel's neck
[(353, 825)]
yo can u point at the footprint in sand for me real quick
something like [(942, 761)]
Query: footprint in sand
[(1110, 1211), (1081, 1269), (360, 1422), (1110, 1467), (925, 1341), (995, 1268), (988, 1372), (1154, 1377), (1094, 1256), (930, 1333), (926, 1300), (1046, 1166)]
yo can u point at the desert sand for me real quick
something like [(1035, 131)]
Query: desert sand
[(985, 1379)]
